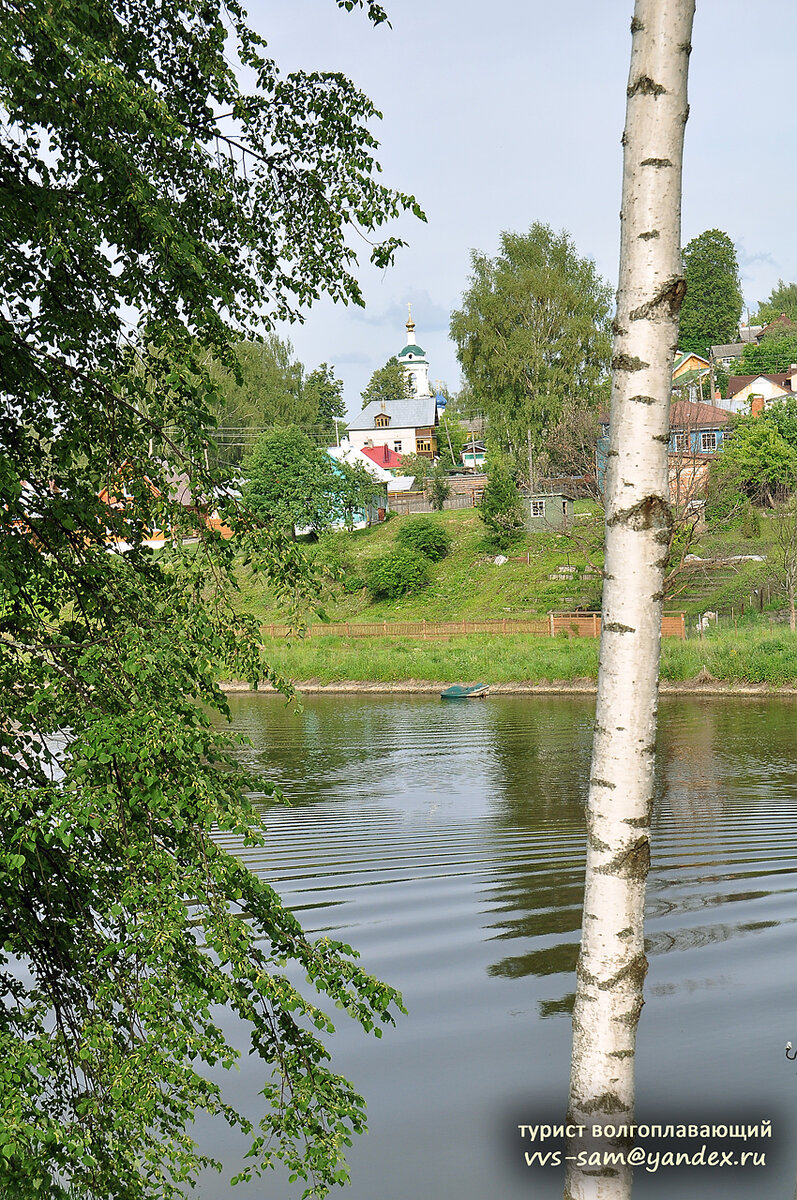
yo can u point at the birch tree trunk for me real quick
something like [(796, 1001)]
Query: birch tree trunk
[(612, 963)]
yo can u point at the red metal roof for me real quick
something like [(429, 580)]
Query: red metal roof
[(383, 456)]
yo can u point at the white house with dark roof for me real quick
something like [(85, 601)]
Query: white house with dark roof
[(404, 426)]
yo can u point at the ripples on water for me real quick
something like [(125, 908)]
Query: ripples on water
[(446, 843)]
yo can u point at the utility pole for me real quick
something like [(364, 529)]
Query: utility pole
[(531, 464)]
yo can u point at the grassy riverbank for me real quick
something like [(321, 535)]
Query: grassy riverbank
[(753, 655)]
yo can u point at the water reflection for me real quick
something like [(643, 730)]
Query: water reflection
[(446, 843)]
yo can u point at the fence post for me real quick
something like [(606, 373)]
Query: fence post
[(594, 624), (425, 635), (551, 626), (503, 625), (272, 630), (348, 631), (384, 627)]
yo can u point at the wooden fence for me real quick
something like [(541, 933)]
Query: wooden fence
[(578, 624), (405, 503)]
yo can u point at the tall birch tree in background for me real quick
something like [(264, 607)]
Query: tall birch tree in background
[(612, 963)]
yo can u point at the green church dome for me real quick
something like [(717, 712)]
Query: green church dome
[(416, 351)]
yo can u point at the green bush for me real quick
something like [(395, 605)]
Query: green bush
[(424, 536), (501, 508), (398, 573)]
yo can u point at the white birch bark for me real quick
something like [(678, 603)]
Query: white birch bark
[(612, 963)]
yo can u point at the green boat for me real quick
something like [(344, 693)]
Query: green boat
[(458, 692)]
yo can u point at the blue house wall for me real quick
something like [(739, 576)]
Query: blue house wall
[(698, 441)]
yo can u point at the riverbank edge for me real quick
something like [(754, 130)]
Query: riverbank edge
[(555, 687)]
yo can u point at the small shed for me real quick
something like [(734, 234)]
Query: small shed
[(550, 511)]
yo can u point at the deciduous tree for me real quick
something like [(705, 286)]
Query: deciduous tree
[(323, 393), (265, 388), (290, 482), (150, 210), (782, 299), (712, 305), (532, 331), (612, 964), (390, 382), (501, 507)]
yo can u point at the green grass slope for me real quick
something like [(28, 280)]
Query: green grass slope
[(545, 571)]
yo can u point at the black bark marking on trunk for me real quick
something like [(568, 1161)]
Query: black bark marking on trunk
[(686, 48), (670, 296), (602, 783), (632, 863), (626, 933), (617, 328), (651, 233), (664, 438), (637, 822), (631, 1018), (625, 362), (607, 1102), (635, 970), (645, 86), (636, 25), (642, 400), (616, 627), (656, 162), (621, 1054), (651, 513)]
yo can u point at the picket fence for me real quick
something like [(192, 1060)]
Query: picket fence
[(575, 624)]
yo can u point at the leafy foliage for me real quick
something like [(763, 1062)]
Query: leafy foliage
[(324, 394), (533, 330), (124, 922), (757, 462), (291, 482), (390, 382), (500, 507), (451, 438), (712, 305), (783, 415), (424, 536), (782, 299), (264, 388), (418, 465), (773, 355), (438, 487), (397, 573)]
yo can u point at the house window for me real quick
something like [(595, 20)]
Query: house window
[(680, 441), (382, 419), (538, 508), (397, 447), (423, 445), (708, 441)]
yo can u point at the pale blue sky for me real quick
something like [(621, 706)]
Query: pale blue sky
[(498, 115)]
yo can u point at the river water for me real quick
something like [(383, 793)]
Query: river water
[(446, 843)]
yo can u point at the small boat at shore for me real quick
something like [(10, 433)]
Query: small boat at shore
[(458, 691)]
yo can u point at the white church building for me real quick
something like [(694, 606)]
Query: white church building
[(404, 426)]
